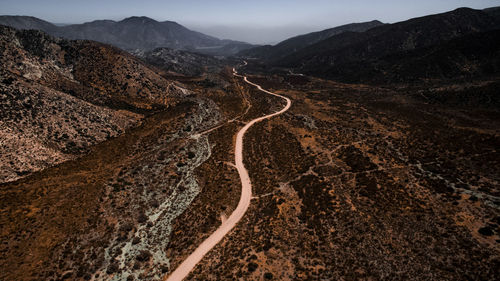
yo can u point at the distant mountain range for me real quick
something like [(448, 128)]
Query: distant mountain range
[(358, 52), (133, 33), (413, 49)]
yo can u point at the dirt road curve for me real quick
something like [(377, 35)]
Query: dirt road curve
[(246, 194)]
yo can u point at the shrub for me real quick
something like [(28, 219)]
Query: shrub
[(126, 227), (142, 218), (136, 240), (486, 231), (268, 275), (143, 256), (252, 267), (112, 268)]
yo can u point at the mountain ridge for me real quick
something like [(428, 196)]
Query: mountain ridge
[(330, 57), (132, 33), (293, 44)]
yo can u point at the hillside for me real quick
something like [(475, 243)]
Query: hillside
[(133, 33), (292, 45), (60, 97), (181, 62), (26, 22), (93, 140), (467, 57), (494, 11), (337, 54)]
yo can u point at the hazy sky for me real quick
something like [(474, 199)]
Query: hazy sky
[(254, 21)]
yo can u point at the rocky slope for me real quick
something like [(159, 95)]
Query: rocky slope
[(131, 138), (60, 97), (181, 62), (133, 33)]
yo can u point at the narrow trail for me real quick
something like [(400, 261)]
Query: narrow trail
[(246, 195)]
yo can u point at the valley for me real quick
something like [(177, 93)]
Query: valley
[(367, 174), (367, 151), (246, 194)]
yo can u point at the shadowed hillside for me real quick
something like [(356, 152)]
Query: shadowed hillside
[(345, 53), (292, 45), (472, 56)]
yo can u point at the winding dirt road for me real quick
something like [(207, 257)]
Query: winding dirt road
[(246, 195)]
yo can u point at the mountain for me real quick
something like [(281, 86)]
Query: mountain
[(138, 33), (25, 22), (133, 33), (60, 97), (294, 44), (336, 55), (467, 57), (494, 11), (80, 122)]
